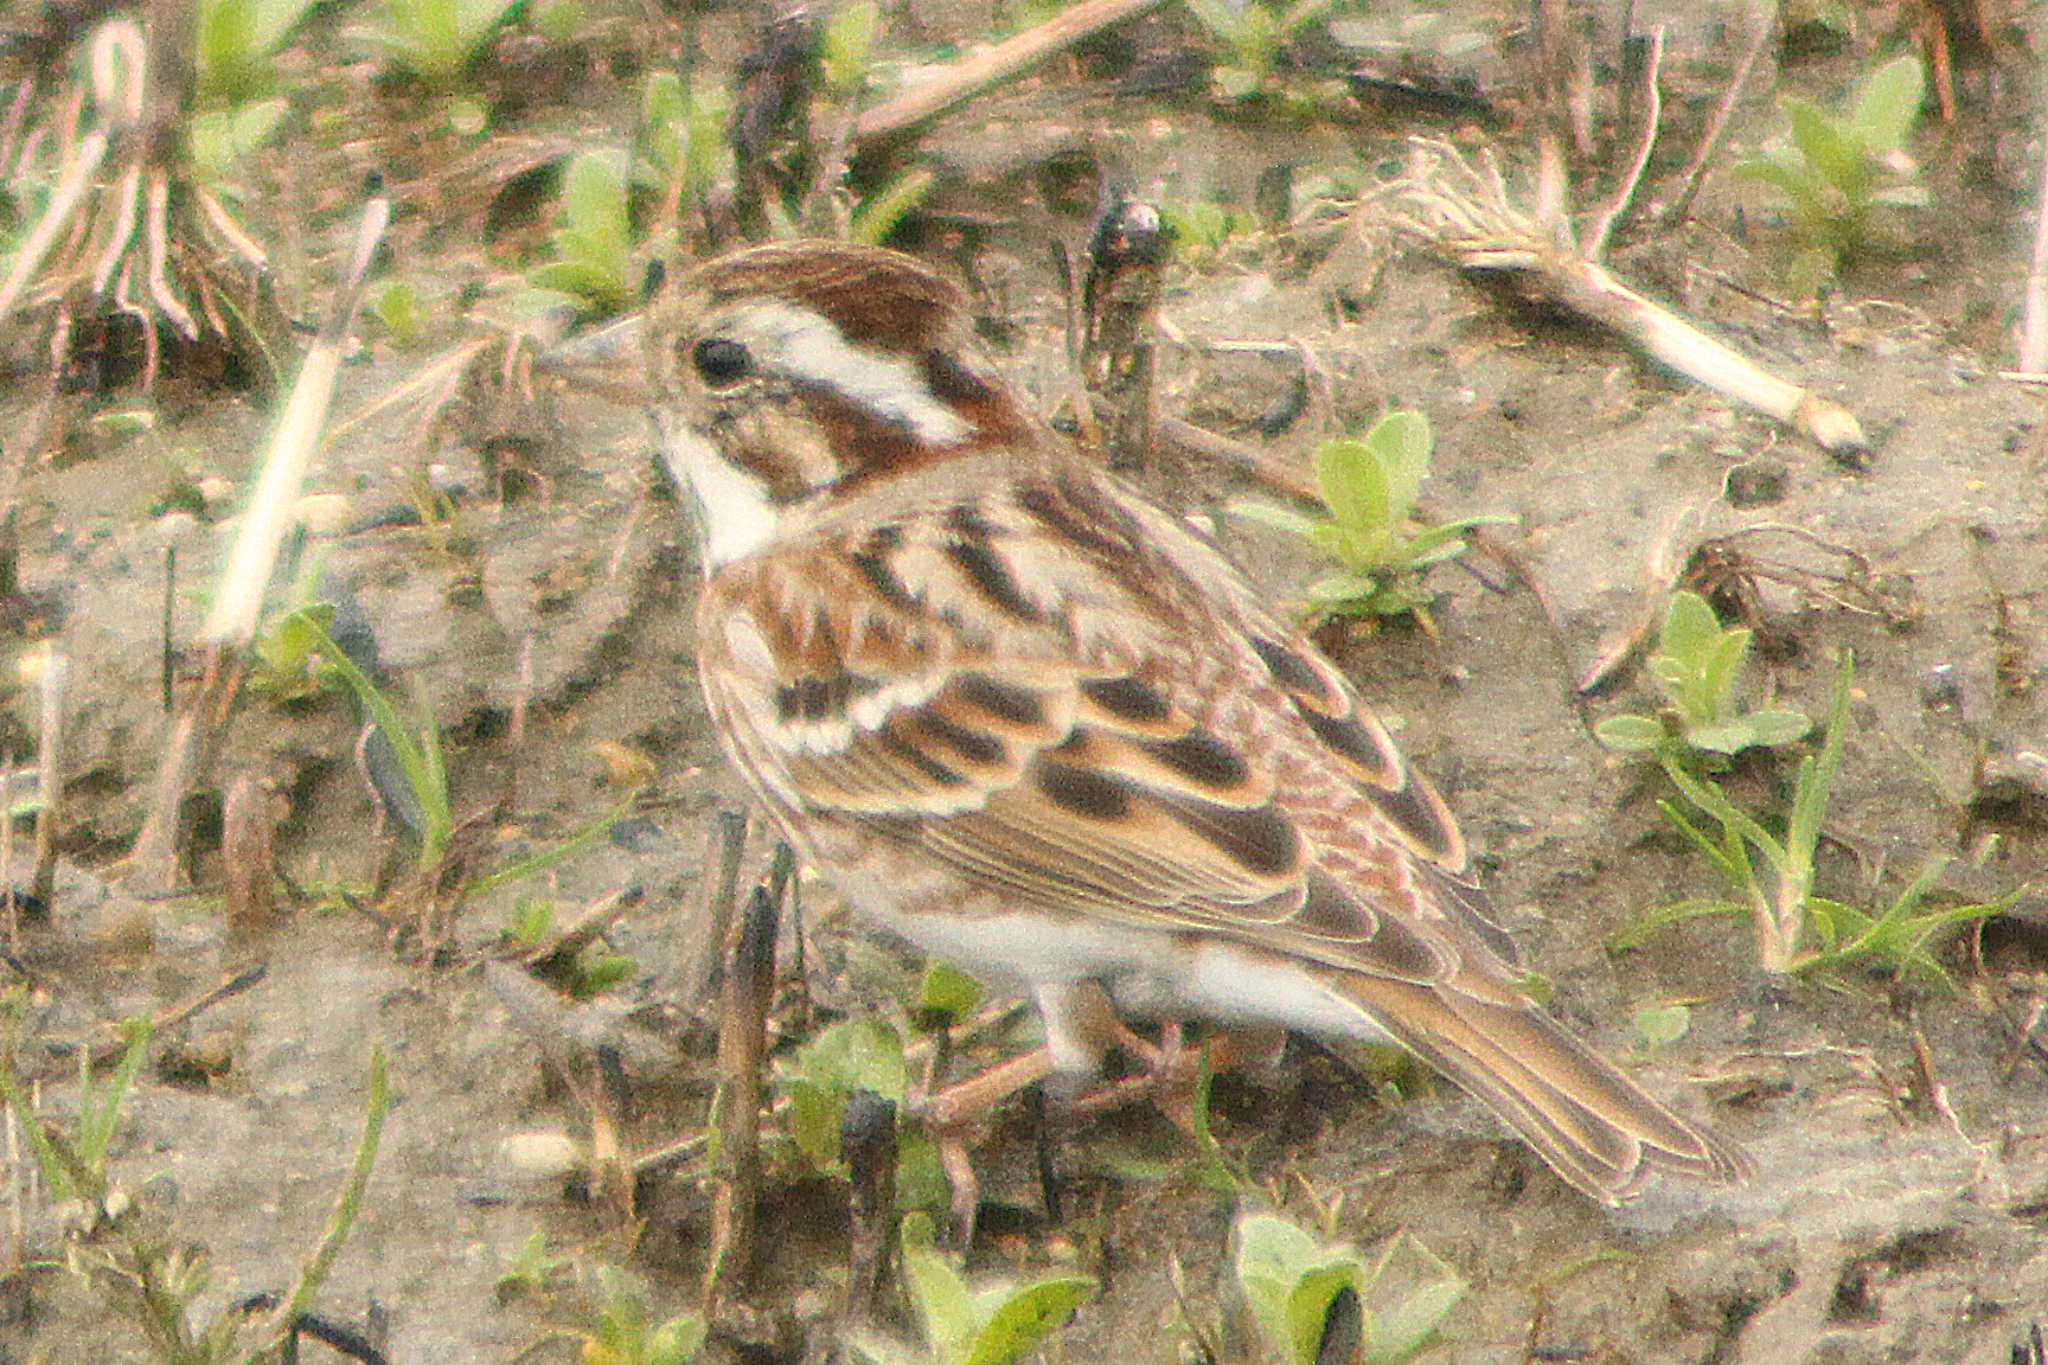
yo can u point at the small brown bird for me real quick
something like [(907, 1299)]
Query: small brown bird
[(1034, 723)]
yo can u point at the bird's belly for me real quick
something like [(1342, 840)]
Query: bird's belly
[(1149, 974)]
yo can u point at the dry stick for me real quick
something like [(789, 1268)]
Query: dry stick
[(61, 1060), (987, 69), (1463, 212), (7, 854), (742, 1042), (2033, 356), (708, 922), (582, 931), (1765, 22), (249, 821), (49, 777), (867, 1141), (232, 623), (1593, 245)]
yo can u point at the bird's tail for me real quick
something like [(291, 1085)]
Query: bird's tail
[(1595, 1127)]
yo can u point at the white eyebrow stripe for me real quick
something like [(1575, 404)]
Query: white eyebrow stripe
[(807, 346)]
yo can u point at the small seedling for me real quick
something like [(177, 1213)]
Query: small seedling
[(857, 1054), (1839, 172), (1778, 896), (417, 749), (590, 973), (436, 40), (1249, 36), (623, 1336), (1201, 228), (594, 243), (1369, 488), (530, 1270), (74, 1168), (684, 147), (1292, 1281), (236, 39), (992, 1322), (398, 308), (1697, 666)]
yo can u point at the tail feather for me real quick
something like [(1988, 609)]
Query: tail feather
[(1600, 1132)]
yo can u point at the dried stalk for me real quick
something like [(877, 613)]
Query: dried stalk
[(987, 69), (2033, 356), (742, 1044), (1464, 213)]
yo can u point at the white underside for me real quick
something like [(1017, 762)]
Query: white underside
[(737, 516), (1148, 975)]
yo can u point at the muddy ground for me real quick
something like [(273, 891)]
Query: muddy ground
[(1901, 1127)]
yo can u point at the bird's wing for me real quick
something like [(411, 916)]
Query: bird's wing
[(1039, 690)]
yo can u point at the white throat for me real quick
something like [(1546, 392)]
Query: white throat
[(737, 515)]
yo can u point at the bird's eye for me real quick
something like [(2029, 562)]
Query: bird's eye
[(721, 361)]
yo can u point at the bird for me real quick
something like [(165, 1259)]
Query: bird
[(1033, 722)]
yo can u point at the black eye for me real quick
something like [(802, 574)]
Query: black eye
[(721, 361)]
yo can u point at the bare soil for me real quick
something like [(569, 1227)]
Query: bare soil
[(1901, 1127)]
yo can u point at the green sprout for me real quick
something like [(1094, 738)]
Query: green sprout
[(1369, 488), (584, 975), (75, 1168), (594, 243), (236, 40), (991, 1322), (684, 148), (530, 1270), (1292, 1282), (1839, 172), (623, 1335), (857, 1054), (1249, 36), (1696, 667), (1797, 931), (437, 40)]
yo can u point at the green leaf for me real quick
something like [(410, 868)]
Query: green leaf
[(1690, 632), (1402, 441), (881, 213), (1402, 1330), (945, 1306), (1887, 105), (1026, 1316), (946, 992), (1343, 587), (676, 1341), (1629, 734), (845, 44), (1829, 146), (1661, 1024), (1289, 1279), (1353, 485), (1772, 728), (1272, 514), (1728, 737)]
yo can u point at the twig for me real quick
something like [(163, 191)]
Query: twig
[(709, 922), (268, 517), (59, 1054), (580, 932), (49, 776), (987, 69), (2033, 356), (867, 1140), (1764, 22), (250, 816), (1463, 212), (1593, 245), (742, 1042)]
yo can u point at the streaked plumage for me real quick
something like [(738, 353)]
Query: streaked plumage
[(1034, 723)]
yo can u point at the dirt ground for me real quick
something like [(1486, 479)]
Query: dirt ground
[(1900, 1127)]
